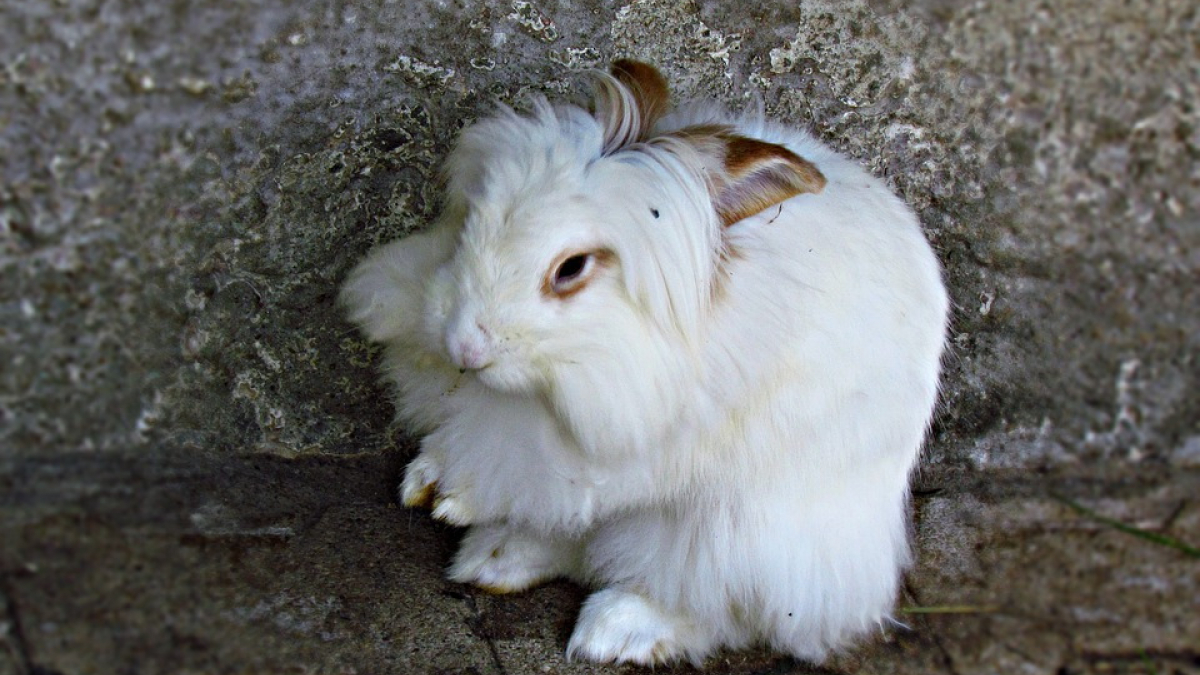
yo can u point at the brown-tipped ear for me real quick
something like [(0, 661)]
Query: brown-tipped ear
[(649, 89), (630, 103), (759, 175), (747, 176)]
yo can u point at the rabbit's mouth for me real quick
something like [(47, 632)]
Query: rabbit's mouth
[(504, 376)]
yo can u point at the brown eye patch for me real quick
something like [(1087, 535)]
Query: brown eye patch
[(572, 271)]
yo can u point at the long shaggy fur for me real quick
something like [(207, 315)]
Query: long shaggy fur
[(718, 429)]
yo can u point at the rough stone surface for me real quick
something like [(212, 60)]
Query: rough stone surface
[(197, 460)]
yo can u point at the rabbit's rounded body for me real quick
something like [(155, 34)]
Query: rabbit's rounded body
[(718, 428)]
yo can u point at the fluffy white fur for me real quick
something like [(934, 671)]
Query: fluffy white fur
[(717, 431)]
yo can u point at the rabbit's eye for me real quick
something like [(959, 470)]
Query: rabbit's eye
[(571, 268), (570, 274)]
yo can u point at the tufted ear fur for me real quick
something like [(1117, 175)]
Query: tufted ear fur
[(745, 175), (629, 102)]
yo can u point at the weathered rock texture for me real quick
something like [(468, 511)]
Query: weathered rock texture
[(196, 458)]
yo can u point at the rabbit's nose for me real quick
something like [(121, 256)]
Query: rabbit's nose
[(469, 345), (470, 355)]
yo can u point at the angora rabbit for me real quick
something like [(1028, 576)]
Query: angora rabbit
[(683, 357)]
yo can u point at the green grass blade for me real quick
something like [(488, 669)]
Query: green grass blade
[(1149, 664), (948, 609), (1160, 539)]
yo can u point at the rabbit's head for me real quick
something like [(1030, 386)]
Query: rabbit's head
[(589, 247)]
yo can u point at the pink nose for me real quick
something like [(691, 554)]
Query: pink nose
[(469, 354), (469, 345)]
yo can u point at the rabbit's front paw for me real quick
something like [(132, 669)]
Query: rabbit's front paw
[(420, 485), (424, 486), (452, 508), (504, 559), (620, 626)]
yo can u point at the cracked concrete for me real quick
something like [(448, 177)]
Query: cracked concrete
[(14, 651), (260, 563), (196, 458)]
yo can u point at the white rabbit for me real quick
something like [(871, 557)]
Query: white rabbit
[(686, 358)]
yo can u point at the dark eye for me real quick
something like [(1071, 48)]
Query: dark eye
[(570, 268), (570, 274)]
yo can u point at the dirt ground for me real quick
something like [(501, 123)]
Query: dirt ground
[(197, 464)]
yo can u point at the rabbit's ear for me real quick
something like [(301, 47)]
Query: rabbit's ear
[(629, 102), (746, 175), (759, 175)]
